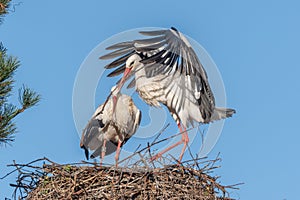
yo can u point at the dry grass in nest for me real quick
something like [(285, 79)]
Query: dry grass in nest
[(193, 179), (91, 181)]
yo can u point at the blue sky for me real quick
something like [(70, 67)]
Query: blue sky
[(255, 45)]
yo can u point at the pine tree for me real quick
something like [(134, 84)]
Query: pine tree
[(4, 5), (27, 97)]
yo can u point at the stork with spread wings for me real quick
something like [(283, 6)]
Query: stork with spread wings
[(167, 71)]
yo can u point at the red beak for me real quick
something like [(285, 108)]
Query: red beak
[(126, 73), (119, 87)]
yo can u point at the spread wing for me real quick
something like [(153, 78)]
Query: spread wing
[(168, 53)]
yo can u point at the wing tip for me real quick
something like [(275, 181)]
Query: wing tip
[(174, 29), (104, 57), (86, 151), (230, 112), (92, 156), (221, 113)]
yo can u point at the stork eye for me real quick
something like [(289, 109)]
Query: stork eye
[(131, 63)]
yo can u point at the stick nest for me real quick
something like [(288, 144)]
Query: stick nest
[(91, 181)]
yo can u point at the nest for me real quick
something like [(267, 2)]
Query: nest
[(91, 181)]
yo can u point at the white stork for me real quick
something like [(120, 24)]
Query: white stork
[(167, 71), (111, 126)]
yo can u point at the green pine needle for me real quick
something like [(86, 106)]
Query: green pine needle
[(28, 98), (8, 111)]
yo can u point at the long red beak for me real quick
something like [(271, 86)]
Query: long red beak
[(119, 87), (125, 75)]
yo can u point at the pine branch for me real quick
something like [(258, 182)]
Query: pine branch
[(7, 127), (4, 5), (8, 65), (27, 98), (8, 111)]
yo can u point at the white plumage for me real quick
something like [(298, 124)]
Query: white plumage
[(167, 71), (107, 131)]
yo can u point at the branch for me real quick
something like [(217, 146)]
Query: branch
[(27, 98), (57, 181)]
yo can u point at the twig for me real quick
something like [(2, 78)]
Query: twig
[(37, 160), (153, 143), (87, 180)]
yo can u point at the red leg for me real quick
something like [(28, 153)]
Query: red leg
[(103, 151), (118, 152), (184, 140)]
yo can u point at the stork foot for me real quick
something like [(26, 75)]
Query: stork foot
[(116, 160), (101, 161)]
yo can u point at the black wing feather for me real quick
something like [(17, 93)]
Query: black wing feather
[(168, 52)]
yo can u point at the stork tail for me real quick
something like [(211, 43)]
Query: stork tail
[(221, 113)]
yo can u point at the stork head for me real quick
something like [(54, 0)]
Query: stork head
[(131, 63)]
